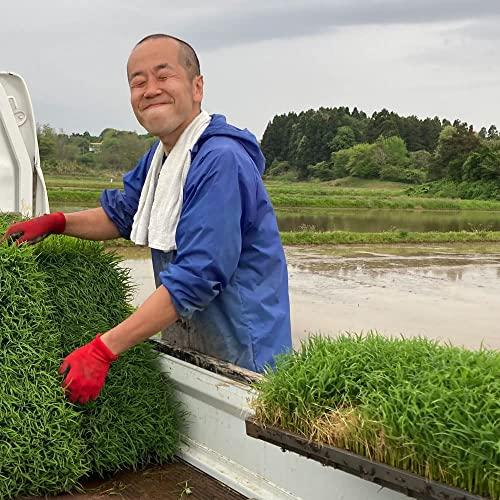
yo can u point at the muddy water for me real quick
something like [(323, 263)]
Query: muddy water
[(447, 292), (371, 220), (376, 220), (439, 294)]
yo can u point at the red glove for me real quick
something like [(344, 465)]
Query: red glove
[(86, 370), (35, 230)]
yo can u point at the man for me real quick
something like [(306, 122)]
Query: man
[(198, 201)]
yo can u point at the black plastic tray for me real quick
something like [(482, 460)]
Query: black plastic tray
[(410, 484)]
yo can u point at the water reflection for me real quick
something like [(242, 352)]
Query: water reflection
[(440, 294), (452, 298), (370, 220), (361, 220)]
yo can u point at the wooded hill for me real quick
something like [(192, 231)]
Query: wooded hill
[(331, 143)]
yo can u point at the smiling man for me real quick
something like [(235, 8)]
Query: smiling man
[(197, 200)]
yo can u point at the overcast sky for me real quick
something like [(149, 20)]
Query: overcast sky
[(261, 57)]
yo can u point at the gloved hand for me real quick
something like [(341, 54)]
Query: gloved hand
[(35, 230), (86, 369)]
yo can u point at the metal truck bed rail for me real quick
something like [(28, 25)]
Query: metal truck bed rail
[(217, 442)]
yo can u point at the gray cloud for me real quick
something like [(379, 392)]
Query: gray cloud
[(286, 20), (260, 57), (488, 31), (223, 23)]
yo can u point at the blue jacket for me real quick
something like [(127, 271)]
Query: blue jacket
[(228, 276)]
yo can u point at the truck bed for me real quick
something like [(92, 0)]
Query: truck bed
[(174, 481)]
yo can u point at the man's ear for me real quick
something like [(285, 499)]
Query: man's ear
[(198, 84)]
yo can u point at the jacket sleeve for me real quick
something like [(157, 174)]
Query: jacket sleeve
[(121, 206), (216, 209)]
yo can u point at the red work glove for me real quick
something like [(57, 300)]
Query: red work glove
[(35, 230), (86, 370)]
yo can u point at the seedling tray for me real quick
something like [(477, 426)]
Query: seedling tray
[(386, 476)]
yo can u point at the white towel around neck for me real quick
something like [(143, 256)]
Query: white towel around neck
[(160, 204)]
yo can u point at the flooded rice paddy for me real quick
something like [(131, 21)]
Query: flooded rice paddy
[(376, 220), (445, 292), (372, 220)]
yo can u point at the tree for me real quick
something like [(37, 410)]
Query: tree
[(339, 163), (454, 146), (120, 150), (382, 124), (46, 143), (344, 139), (364, 161), (70, 153), (322, 171), (278, 168), (482, 165), (275, 142), (394, 151), (493, 132), (420, 159), (430, 130)]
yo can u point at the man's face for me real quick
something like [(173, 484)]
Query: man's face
[(163, 96)]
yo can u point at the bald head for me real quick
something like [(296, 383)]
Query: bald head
[(186, 56)]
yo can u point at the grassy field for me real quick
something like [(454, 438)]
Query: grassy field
[(68, 182), (67, 192), (335, 200), (355, 182), (350, 237)]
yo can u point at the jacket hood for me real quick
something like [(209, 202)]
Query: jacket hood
[(219, 127)]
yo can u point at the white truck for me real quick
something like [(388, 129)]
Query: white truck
[(223, 440)]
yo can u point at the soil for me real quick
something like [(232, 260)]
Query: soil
[(174, 481)]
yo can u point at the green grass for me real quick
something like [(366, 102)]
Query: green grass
[(346, 182), (314, 190), (353, 238), (344, 193), (355, 182), (291, 200), (83, 183), (54, 297), (76, 179), (345, 200), (430, 409), (348, 237), (60, 195)]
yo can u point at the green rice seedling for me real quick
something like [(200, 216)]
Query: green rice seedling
[(41, 448), (90, 295), (430, 409), (54, 297)]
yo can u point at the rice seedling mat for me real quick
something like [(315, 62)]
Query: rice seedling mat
[(386, 476)]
